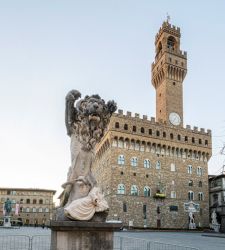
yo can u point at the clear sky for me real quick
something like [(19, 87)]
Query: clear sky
[(103, 46)]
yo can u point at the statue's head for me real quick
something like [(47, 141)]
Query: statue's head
[(92, 118)]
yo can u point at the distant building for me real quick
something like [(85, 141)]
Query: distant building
[(217, 198), (154, 171), (35, 206)]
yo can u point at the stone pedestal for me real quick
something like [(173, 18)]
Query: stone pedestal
[(7, 221), (82, 235)]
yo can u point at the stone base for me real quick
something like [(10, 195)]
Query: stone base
[(82, 235), (7, 221)]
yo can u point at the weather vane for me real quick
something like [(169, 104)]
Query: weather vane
[(167, 17)]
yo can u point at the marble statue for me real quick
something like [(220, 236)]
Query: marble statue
[(86, 122)]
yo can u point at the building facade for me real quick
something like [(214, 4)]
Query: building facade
[(217, 198), (152, 170), (34, 206)]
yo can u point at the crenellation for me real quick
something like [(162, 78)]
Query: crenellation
[(137, 115), (129, 114), (188, 127), (195, 129), (120, 111), (152, 119), (202, 130), (145, 117), (209, 131)]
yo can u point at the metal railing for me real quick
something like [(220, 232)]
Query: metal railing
[(43, 242), (24, 242), (128, 243)]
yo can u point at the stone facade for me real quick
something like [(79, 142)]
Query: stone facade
[(150, 168), (217, 198), (35, 205)]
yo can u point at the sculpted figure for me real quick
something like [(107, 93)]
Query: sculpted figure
[(86, 123), (8, 207)]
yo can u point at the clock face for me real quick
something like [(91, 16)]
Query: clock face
[(174, 118)]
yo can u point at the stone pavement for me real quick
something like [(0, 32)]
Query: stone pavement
[(191, 239)]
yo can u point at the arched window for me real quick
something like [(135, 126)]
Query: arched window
[(200, 196), (178, 137), (200, 141), (164, 134), (199, 171), (158, 165), (134, 190), (134, 129), (120, 143), (121, 189), (28, 201), (157, 133), (142, 130), (171, 136), (134, 161), (40, 201), (172, 167), (171, 41), (185, 138), (117, 125), (147, 163), (193, 140), (34, 201), (150, 131), (200, 184), (125, 127), (173, 194), (121, 160), (190, 183), (190, 195), (189, 168), (147, 191), (34, 209)]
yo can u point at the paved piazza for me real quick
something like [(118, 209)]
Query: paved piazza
[(179, 238)]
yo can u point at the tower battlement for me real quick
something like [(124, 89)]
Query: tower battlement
[(136, 117), (168, 28)]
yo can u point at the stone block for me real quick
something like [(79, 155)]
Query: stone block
[(82, 235)]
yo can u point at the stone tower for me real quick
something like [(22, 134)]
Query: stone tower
[(168, 73)]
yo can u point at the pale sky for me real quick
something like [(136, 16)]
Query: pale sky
[(103, 46)]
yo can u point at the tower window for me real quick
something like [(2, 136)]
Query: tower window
[(164, 134), (117, 125), (174, 83), (171, 136), (142, 130), (206, 142), (171, 42), (178, 137), (193, 140), (186, 138), (150, 131), (134, 129), (200, 141), (157, 133), (125, 127)]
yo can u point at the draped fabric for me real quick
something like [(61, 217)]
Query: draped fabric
[(85, 208)]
